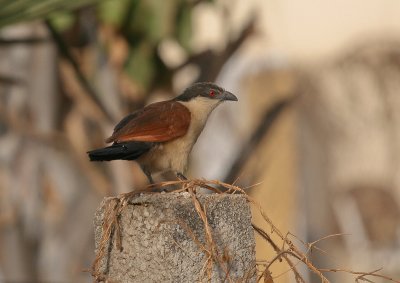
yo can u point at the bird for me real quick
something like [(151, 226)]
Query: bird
[(160, 136)]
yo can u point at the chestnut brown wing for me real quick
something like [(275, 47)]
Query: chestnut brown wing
[(158, 122)]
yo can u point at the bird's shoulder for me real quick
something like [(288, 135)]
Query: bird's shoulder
[(126, 120), (165, 115)]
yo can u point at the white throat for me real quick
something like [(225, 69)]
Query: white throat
[(200, 108)]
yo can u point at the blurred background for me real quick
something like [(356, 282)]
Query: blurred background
[(317, 123)]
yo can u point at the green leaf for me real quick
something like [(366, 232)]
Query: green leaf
[(112, 12), (140, 65), (15, 11), (183, 26), (62, 20)]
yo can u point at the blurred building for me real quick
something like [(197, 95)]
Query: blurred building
[(330, 163)]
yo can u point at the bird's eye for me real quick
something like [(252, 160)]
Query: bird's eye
[(212, 93)]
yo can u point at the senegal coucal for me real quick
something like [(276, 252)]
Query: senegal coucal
[(161, 135)]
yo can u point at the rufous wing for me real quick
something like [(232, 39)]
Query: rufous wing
[(158, 122)]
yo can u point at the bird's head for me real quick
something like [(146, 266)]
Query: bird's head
[(206, 91)]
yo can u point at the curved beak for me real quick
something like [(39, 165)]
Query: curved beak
[(229, 96)]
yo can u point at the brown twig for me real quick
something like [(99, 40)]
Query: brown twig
[(292, 266), (212, 251), (361, 274)]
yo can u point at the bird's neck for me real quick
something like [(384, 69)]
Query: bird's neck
[(200, 109)]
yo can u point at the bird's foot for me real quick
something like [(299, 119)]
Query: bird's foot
[(180, 176)]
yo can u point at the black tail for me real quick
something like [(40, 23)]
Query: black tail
[(124, 151)]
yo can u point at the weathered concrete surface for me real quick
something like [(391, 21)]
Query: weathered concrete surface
[(157, 246)]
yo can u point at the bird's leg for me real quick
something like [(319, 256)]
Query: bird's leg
[(181, 176), (148, 175)]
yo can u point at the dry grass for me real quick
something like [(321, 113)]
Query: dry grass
[(285, 250)]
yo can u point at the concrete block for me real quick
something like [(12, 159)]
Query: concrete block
[(163, 239)]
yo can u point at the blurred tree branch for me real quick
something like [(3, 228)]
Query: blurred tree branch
[(9, 80), (66, 53), (211, 62), (269, 118), (22, 40)]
